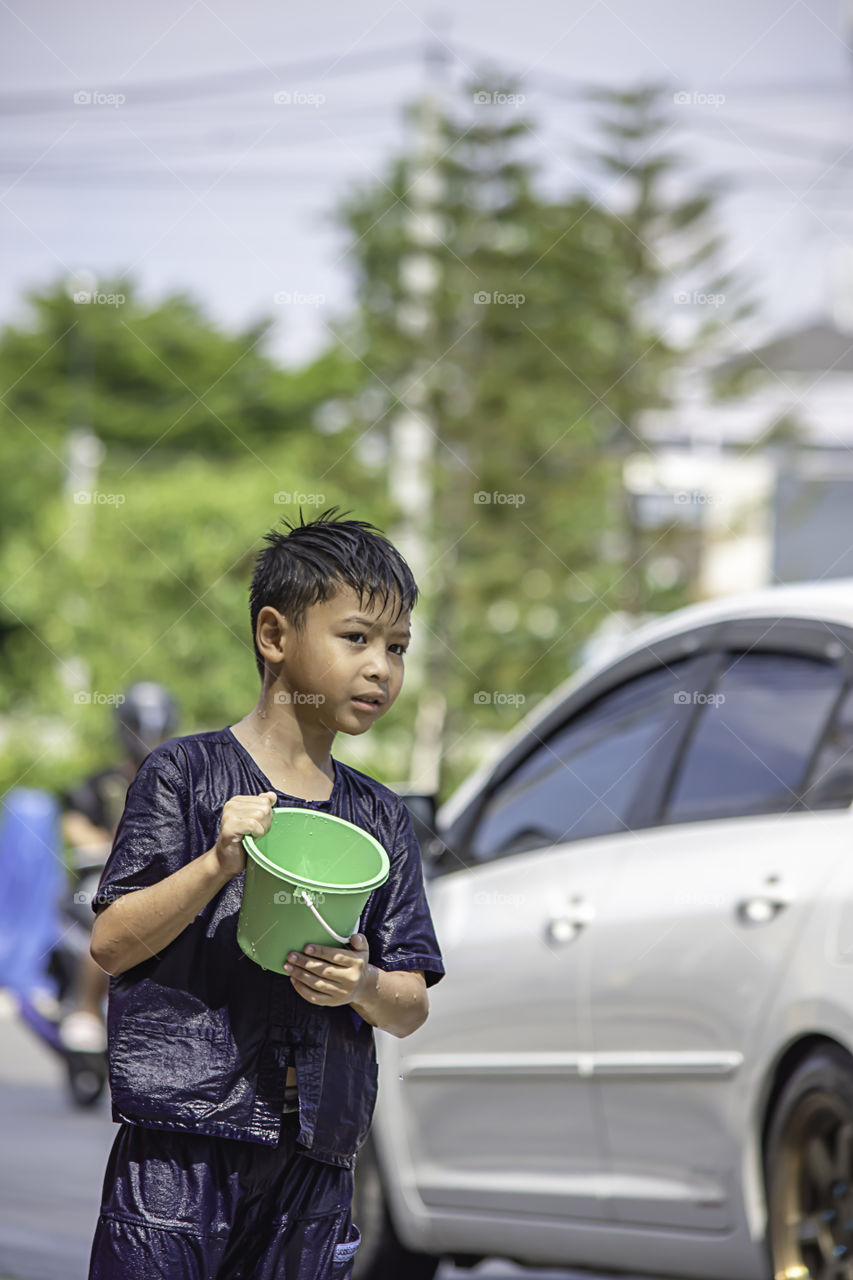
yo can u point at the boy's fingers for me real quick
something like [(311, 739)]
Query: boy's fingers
[(327, 955)]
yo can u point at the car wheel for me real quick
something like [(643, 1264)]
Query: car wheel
[(380, 1255), (808, 1169)]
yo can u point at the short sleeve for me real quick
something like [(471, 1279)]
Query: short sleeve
[(151, 840), (398, 925)]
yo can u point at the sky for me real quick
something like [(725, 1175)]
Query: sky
[(205, 147)]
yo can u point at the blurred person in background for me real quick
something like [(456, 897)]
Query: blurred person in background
[(145, 717)]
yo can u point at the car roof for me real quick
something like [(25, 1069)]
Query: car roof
[(829, 601), (832, 602)]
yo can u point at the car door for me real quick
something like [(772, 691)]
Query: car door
[(698, 915), (495, 1096)]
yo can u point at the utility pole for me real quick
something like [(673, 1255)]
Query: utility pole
[(83, 450), (414, 432)]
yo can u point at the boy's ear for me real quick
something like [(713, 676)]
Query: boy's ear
[(272, 634)]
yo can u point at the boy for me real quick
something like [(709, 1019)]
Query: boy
[(243, 1094)]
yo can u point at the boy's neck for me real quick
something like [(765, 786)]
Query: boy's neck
[(271, 734)]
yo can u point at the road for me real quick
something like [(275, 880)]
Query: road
[(53, 1163)]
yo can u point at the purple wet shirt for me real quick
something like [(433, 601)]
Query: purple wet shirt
[(200, 1036)]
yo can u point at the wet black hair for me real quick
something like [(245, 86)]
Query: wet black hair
[(311, 562)]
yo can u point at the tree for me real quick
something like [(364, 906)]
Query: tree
[(140, 568), (518, 336), (159, 377), (670, 256)]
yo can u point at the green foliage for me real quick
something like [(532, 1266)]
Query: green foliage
[(514, 356), (150, 584), (140, 570), (528, 330), (156, 378)]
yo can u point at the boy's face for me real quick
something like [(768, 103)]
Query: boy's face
[(346, 651)]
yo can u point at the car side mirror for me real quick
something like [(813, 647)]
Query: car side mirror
[(423, 810)]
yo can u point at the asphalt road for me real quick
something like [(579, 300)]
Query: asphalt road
[(52, 1165)]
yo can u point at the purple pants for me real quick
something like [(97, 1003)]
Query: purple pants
[(181, 1206)]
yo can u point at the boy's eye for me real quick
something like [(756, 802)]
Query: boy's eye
[(359, 635)]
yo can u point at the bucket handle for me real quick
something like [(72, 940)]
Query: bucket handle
[(304, 898)]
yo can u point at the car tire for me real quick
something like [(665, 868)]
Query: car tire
[(380, 1255), (808, 1170)]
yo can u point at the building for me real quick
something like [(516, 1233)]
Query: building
[(761, 481)]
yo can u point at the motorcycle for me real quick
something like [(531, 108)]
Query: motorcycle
[(45, 927)]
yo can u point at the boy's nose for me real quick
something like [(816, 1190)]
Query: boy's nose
[(377, 665)]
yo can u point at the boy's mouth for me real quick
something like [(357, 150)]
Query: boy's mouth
[(369, 702)]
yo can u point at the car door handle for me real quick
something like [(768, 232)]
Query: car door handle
[(767, 903), (566, 926)]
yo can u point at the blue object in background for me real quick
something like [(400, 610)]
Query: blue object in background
[(32, 881)]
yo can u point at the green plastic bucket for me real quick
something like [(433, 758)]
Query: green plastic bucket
[(307, 880)]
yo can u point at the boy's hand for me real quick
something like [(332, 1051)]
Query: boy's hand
[(242, 816), (330, 975)]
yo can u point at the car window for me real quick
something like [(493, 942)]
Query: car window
[(583, 780), (755, 737), (831, 783)]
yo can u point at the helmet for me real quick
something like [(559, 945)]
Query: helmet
[(146, 717)]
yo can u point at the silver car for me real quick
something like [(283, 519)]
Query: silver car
[(641, 1058)]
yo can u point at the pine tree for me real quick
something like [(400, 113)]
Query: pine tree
[(670, 253), (507, 349)]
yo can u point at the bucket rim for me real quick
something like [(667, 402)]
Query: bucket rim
[(306, 882)]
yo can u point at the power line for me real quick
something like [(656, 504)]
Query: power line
[(97, 169), (141, 93), (563, 86), (579, 91), (199, 182), (176, 146), (774, 140), (146, 179), (796, 147), (31, 102)]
